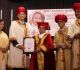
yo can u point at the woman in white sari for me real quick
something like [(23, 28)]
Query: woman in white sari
[(4, 45)]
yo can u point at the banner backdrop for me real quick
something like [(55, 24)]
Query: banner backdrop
[(50, 17)]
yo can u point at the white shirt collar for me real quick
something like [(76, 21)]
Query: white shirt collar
[(22, 22)]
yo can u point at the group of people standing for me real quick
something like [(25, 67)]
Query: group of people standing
[(66, 43)]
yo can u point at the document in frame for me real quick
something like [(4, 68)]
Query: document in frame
[(29, 44)]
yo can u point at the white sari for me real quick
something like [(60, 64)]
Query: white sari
[(4, 42)]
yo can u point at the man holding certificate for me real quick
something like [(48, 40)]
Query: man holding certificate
[(17, 33), (42, 58)]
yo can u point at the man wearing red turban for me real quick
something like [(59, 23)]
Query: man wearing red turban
[(17, 32), (63, 62), (74, 33)]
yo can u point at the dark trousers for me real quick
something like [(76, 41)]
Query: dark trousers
[(16, 68)]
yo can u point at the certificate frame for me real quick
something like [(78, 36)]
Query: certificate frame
[(29, 44)]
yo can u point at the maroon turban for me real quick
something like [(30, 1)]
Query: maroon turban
[(76, 6), (60, 17)]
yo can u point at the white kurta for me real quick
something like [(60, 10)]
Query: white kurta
[(73, 29), (15, 54)]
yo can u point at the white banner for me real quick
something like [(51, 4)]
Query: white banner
[(50, 17)]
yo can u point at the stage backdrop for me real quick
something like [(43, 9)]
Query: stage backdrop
[(50, 17)]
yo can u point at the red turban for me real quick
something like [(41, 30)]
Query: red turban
[(44, 25), (60, 17), (21, 9), (76, 6)]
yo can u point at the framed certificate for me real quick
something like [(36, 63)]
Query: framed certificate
[(29, 44)]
